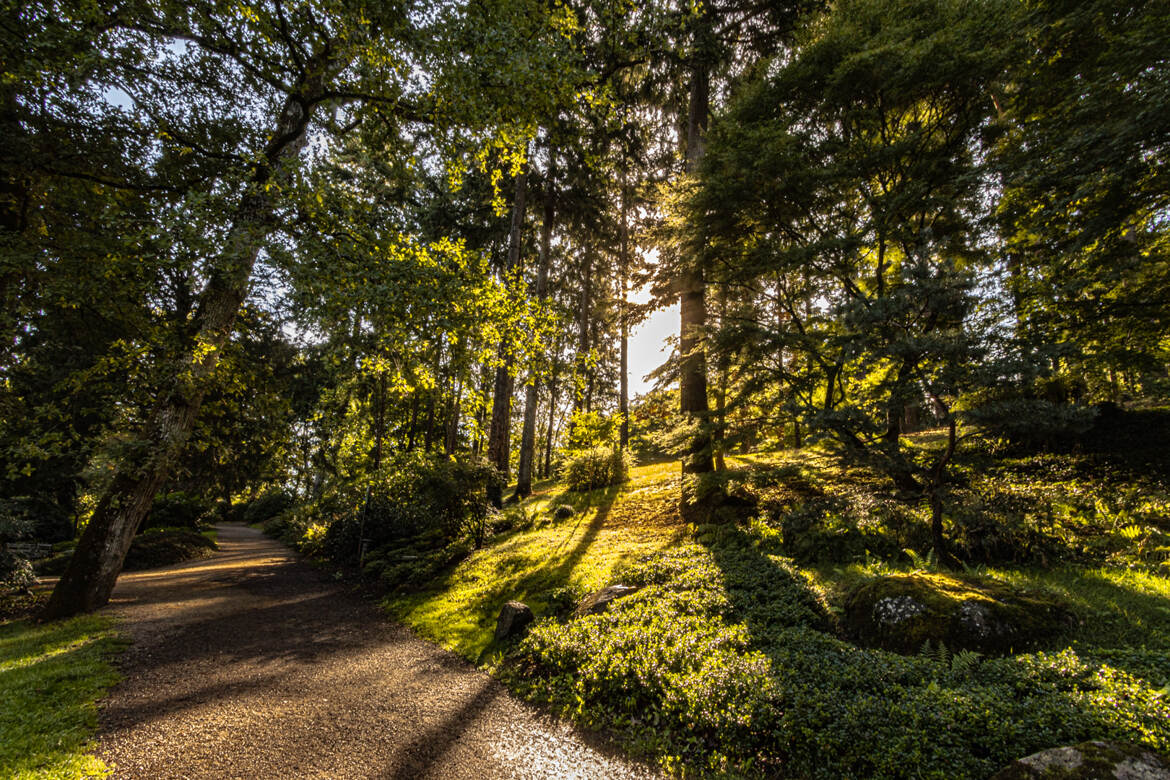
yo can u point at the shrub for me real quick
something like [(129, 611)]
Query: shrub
[(416, 494), (177, 510), (165, 546), (596, 468), (265, 507), (16, 573), (588, 430)]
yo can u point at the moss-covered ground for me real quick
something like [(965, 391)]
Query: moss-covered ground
[(731, 659)]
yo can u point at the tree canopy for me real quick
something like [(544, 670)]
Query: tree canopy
[(273, 246)]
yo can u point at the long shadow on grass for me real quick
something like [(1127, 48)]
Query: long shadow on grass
[(561, 562), (767, 594)]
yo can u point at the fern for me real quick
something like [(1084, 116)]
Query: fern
[(964, 663)]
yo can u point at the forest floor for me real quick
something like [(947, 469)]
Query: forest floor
[(731, 659), (253, 664)]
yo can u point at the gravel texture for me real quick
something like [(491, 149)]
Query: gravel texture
[(251, 665)]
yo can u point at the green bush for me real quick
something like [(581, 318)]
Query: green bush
[(16, 573), (156, 547), (265, 507), (596, 468), (415, 494), (721, 663), (177, 510), (165, 546)]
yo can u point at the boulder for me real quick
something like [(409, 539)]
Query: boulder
[(563, 512), (904, 611), (513, 620), (596, 603), (1089, 761)]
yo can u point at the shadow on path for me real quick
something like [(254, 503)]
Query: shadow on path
[(251, 664)]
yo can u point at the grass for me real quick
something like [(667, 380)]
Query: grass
[(552, 561), (729, 660), (51, 677)]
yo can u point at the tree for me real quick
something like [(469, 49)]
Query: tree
[(840, 210), (1082, 153)]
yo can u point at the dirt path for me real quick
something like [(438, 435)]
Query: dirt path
[(250, 665)]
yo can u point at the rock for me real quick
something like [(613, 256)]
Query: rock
[(563, 512), (1089, 761), (513, 620), (596, 603), (904, 611)]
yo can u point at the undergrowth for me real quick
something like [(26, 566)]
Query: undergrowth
[(729, 658)]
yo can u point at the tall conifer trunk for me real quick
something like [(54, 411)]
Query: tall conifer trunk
[(89, 578), (624, 316), (584, 320), (500, 433), (692, 289), (528, 436)]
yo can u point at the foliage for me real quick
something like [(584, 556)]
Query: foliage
[(726, 659), (596, 468), (162, 546), (265, 507), (700, 670), (16, 573), (51, 676), (177, 510), (1082, 151), (416, 498), (591, 430), (165, 546)]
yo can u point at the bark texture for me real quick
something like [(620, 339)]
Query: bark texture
[(692, 289)]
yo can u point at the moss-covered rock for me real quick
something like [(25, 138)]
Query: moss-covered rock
[(902, 612), (1089, 761)]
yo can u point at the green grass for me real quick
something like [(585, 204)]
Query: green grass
[(51, 677), (545, 564), (729, 659)]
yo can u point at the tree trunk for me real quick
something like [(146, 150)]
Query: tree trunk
[(624, 316), (722, 370), (451, 440), (90, 576), (693, 309), (500, 432), (583, 330), (412, 428), (379, 419), (528, 436), (935, 481), (552, 410)]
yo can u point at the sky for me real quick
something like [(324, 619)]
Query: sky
[(648, 344)]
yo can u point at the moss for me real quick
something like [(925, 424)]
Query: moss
[(1088, 761), (903, 612)]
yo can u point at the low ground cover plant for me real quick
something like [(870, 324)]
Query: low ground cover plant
[(722, 662), (732, 657)]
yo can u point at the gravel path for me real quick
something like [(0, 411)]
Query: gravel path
[(250, 665)]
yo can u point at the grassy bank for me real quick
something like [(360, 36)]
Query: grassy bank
[(51, 677), (731, 659)]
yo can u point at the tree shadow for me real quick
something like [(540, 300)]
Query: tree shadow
[(420, 756), (766, 593)]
